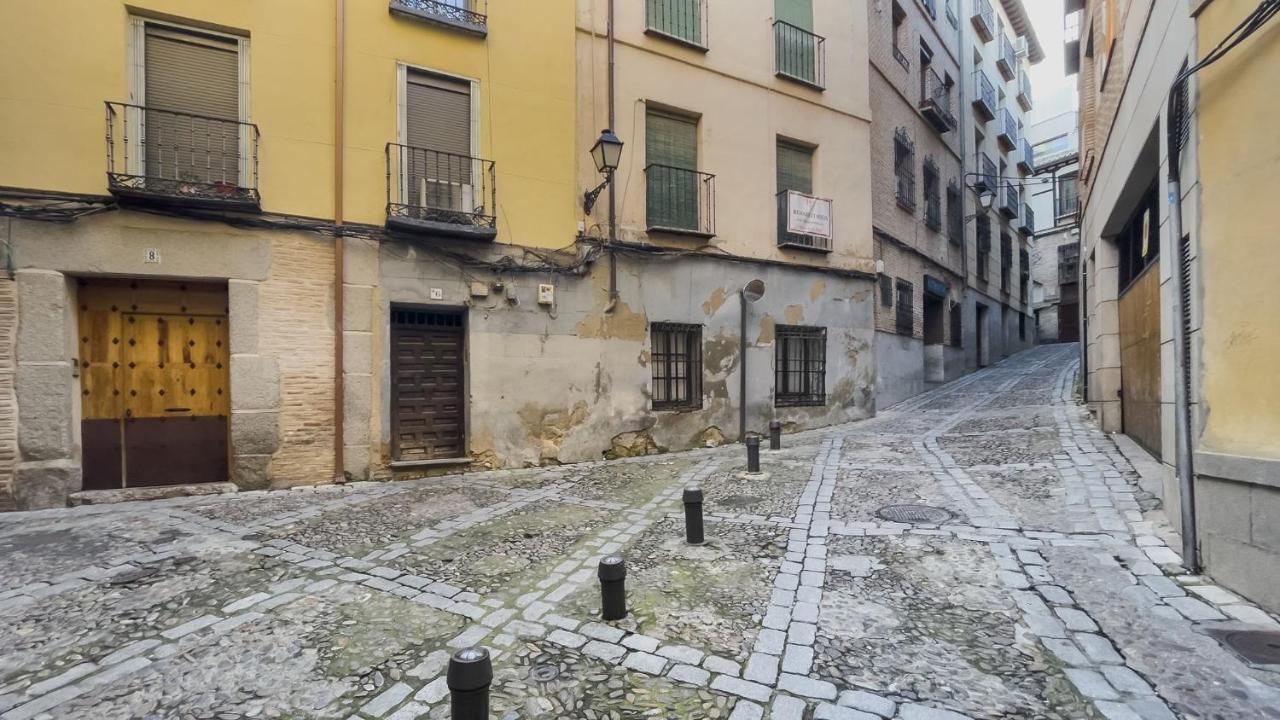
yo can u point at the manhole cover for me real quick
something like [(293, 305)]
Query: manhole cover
[(544, 673), (914, 514), (739, 501), (1257, 647)]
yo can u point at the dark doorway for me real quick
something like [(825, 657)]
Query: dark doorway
[(428, 403), (980, 332)]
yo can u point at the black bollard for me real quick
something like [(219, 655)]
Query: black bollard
[(753, 453), (613, 587), (469, 677), (775, 435), (693, 515)]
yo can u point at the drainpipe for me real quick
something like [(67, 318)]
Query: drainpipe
[(339, 276), (613, 193), (742, 366), (1182, 419)]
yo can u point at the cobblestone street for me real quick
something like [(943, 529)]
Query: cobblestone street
[(1033, 578)]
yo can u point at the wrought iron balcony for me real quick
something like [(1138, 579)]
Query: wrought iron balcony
[(984, 19), (1007, 59), (984, 96), (1024, 91), (1027, 223), (1007, 132), (181, 158), (936, 101), (680, 201), (799, 55), (467, 16), (1027, 160), (1009, 201), (683, 21), (986, 179), (795, 240), (440, 193)]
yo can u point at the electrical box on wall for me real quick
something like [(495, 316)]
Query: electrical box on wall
[(479, 289), (546, 294)]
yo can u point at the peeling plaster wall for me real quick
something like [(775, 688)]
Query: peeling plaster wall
[(561, 383)]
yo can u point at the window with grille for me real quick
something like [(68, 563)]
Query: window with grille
[(932, 195), (676, 359), (682, 20), (955, 214), (957, 326), (906, 307), (1006, 260), (800, 366), (886, 290), (984, 246), (904, 158)]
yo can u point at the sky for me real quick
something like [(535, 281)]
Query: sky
[(1051, 90)]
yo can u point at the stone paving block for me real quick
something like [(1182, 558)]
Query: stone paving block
[(741, 688), (1194, 610), (868, 702), (785, 707), (1214, 594), (600, 631), (386, 700), (761, 668), (567, 639), (1091, 684), (191, 626), (914, 711), (643, 643), (1116, 711), (744, 710), (721, 665), (644, 662), (1126, 680), (682, 654), (434, 691), (689, 674), (798, 659), (1076, 620), (806, 686), (827, 711), (608, 652)]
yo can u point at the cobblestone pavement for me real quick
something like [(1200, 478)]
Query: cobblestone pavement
[(1031, 579)]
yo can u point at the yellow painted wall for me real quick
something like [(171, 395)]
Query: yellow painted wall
[(61, 61), (1240, 236)]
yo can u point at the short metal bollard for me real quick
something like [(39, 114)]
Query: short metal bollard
[(469, 677), (693, 515), (613, 587), (753, 453), (775, 435)]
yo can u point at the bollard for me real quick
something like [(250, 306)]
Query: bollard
[(469, 676), (693, 515), (775, 435), (753, 453), (613, 587)]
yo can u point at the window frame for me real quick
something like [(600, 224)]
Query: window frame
[(812, 373), (904, 320), (904, 171), (662, 366), (932, 194)]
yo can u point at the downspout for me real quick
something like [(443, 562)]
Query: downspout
[(613, 193), (339, 276), (742, 366)]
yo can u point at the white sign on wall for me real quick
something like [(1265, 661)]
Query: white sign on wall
[(808, 215), (151, 255)]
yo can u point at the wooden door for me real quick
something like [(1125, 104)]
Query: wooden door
[(1140, 359), (429, 401), (155, 364)]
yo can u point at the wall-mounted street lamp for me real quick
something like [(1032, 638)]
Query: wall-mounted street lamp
[(607, 154)]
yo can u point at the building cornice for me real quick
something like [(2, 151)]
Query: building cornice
[(1021, 23)]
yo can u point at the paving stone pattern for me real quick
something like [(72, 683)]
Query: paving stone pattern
[(1050, 591)]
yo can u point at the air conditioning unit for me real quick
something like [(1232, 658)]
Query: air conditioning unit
[(1021, 46)]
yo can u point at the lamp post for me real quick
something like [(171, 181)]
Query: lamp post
[(750, 293), (607, 154)]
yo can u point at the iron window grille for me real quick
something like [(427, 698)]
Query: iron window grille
[(680, 201), (800, 366), (1009, 201), (1007, 59), (987, 178), (677, 366), (446, 193), (905, 311), (684, 21), (1006, 261), (886, 291), (932, 195), (799, 55), (1007, 132), (191, 159), (904, 155), (957, 326), (464, 15), (955, 213), (984, 96), (983, 229)]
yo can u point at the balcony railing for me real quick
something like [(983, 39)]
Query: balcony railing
[(795, 240), (680, 201), (1027, 224), (1027, 160), (684, 21), (1007, 59), (986, 179), (984, 19), (1007, 133), (984, 96), (936, 101), (951, 14), (799, 55), (465, 15), (1009, 201), (1024, 91), (440, 193), (176, 157)]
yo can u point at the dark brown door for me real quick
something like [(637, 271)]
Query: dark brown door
[(1140, 359), (429, 400)]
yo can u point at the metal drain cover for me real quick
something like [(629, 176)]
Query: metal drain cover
[(914, 514), (1256, 647), (544, 673)]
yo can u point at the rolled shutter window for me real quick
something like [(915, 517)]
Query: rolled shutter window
[(438, 131)]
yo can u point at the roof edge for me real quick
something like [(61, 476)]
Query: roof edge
[(1021, 22)]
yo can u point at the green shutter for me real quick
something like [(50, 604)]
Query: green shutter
[(794, 12), (671, 151), (677, 18), (795, 168)]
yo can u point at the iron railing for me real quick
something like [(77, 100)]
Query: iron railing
[(465, 15), (800, 366), (984, 96), (1024, 91), (795, 240), (440, 192), (936, 101), (1007, 59), (195, 159), (932, 195), (986, 178), (1007, 132), (1009, 201), (680, 200), (984, 19), (905, 174), (904, 310), (684, 21), (1027, 225), (1027, 160), (799, 55), (951, 14)]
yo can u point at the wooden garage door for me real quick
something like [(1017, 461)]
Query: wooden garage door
[(155, 372), (429, 403), (1140, 359)]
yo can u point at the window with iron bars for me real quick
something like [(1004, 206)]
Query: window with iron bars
[(984, 246), (955, 214), (886, 290), (932, 195), (957, 326), (800, 366), (904, 158), (1006, 261), (676, 359), (906, 308)]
